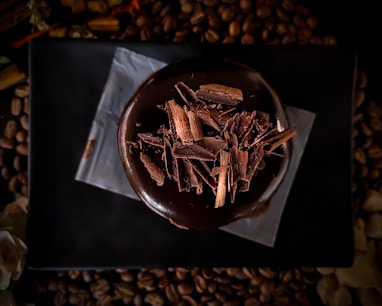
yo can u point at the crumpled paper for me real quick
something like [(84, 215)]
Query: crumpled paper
[(100, 164)]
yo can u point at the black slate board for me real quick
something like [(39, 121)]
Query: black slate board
[(74, 225)]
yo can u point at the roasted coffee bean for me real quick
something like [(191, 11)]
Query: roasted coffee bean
[(16, 106), (207, 273), (272, 2), (7, 143), (312, 22), (23, 178), (330, 40), (361, 79), (288, 5), (264, 11), (367, 131), (256, 280), (212, 36), (24, 190), (288, 39), (189, 300), (228, 40), (281, 300), (245, 5), (264, 298), (210, 3), (251, 301), (247, 39), (315, 40), (146, 34), (21, 136), (22, 148), (267, 272), (376, 124), (86, 276), (299, 21), (228, 14), (185, 288), (249, 272), (248, 27), (359, 97), (302, 298), (169, 23), (253, 289), (220, 296), (206, 297), (59, 299), (187, 7), (286, 276), (374, 152), (10, 129), (6, 173), (200, 283), (145, 280), (181, 273), (141, 19), (282, 29), (22, 91), (154, 298), (211, 287), (165, 10), (231, 271), (374, 110), (24, 121), (282, 15), (172, 293)]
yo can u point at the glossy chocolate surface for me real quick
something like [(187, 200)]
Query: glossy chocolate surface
[(142, 115)]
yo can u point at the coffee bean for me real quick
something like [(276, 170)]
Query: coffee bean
[(256, 280), (23, 177), (315, 40), (7, 143), (374, 152), (361, 79), (253, 289), (272, 2), (145, 34), (20, 162), (141, 19), (10, 129), (248, 27), (197, 17), (367, 131), (248, 272), (187, 7), (287, 5), (206, 297), (292, 28), (330, 40), (22, 148), (374, 110), (200, 283), (60, 299), (264, 298), (14, 184), (207, 273), (251, 301), (169, 23), (172, 293), (282, 15), (154, 298), (264, 11), (247, 39), (312, 22), (228, 14), (26, 105), (165, 10), (228, 40), (181, 273), (376, 124), (299, 21), (6, 173), (185, 288), (302, 9), (210, 3), (145, 280), (220, 296), (22, 91), (189, 300), (281, 300), (214, 303), (211, 287), (267, 272), (212, 36), (288, 39), (282, 29), (232, 271), (359, 97), (16, 106), (245, 5), (21, 136), (214, 22), (367, 143), (286, 276), (24, 121)]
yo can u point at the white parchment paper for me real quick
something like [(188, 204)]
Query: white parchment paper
[(100, 164)]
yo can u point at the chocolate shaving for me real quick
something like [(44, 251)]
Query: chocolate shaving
[(187, 94), (149, 138), (192, 151), (156, 173), (217, 93)]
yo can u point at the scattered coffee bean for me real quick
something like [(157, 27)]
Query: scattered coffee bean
[(22, 91), (10, 129), (16, 106), (7, 143), (376, 124), (24, 121), (247, 39), (22, 148), (14, 184)]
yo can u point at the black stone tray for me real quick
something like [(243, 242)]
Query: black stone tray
[(75, 225)]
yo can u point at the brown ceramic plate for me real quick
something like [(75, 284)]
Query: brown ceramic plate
[(187, 208)]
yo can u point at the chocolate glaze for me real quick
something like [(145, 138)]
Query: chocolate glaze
[(187, 208)]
